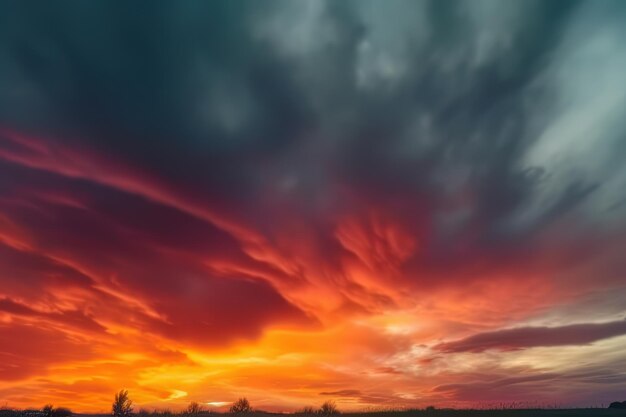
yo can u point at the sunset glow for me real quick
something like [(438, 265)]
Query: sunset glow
[(388, 204)]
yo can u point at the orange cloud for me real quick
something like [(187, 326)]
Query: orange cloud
[(112, 278)]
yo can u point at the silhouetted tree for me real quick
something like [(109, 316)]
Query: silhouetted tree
[(240, 406), (122, 406), (193, 408), (329, 408), (308, 410), (48, 410)]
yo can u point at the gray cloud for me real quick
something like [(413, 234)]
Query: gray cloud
[(476, 116), (419, 96), (527, 337)]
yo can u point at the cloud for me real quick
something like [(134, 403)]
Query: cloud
[(192, 304), (571, 388), (527, 337), (28, 350), (343, 393), (246, 185), (72, 317)]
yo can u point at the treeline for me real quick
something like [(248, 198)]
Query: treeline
[(123, 407), (47, 410)]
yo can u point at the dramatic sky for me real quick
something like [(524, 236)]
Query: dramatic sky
[(386, 203)]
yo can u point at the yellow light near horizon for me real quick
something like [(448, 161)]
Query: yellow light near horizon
[(177, 394), (217, 403)]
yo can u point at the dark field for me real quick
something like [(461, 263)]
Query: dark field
[(579, 412)]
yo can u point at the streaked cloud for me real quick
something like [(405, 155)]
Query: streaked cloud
[(390, 203)]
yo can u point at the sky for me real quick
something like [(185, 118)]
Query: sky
[(384, 203)]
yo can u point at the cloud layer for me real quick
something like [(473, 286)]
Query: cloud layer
[(393, 203)]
